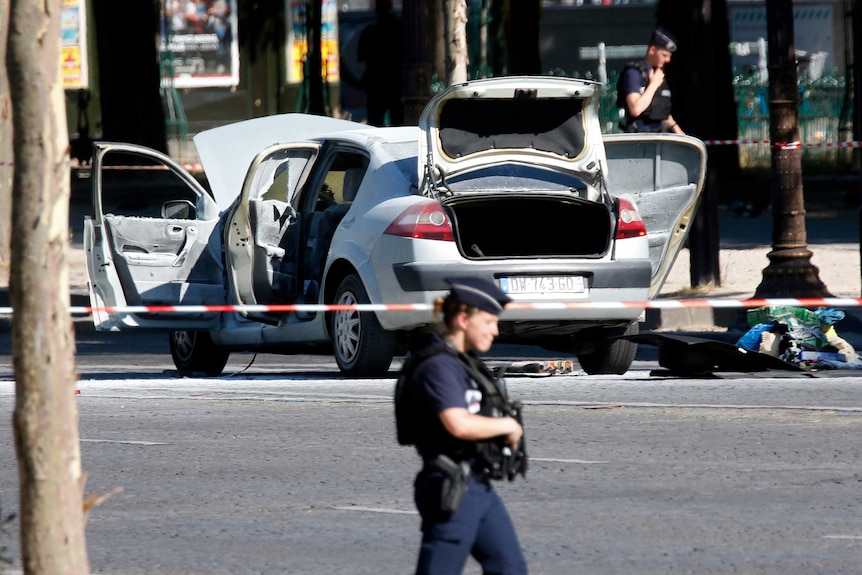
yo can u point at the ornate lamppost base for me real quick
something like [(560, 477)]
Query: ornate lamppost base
[(790, 273)]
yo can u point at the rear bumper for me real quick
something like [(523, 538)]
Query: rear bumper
[(619, 274), (619, 281)]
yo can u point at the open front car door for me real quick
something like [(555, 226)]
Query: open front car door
[(264, 229), (664, 175), (152, 240)]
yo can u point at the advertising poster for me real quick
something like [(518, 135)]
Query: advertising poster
[(297, 42), (73, 50), (199, 42)]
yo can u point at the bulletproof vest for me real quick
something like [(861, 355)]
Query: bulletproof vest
[(490, 455), (660, 107), (405, 395), (494, 403)]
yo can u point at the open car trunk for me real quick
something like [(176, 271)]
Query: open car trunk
[(547, 121), (532, 226)]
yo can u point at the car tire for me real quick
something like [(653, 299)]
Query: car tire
[(361, 346), (195, 352), (614, 356)]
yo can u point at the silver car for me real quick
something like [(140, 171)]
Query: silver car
[(509, 179)]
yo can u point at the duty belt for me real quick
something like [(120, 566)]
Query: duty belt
[(479, 471)]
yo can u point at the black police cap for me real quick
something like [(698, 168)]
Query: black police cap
[(478, 293), (663, 39)]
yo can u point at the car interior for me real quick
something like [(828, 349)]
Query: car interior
[(333, 198)]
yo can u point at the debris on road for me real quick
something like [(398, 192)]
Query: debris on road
[(800, 337)]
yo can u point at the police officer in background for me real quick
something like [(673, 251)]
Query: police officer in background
[(457, 414), (643, 92)]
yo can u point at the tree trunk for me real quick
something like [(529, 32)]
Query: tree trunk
[(5, 144), (316, 101), (436, 38), (523, 37), (128, 71), (416, 62), (497, 30), (45, 419), (701, 78), (857, 90), (484, 65), (456, 41)]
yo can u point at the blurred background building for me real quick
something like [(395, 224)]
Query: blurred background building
[(210, 78)]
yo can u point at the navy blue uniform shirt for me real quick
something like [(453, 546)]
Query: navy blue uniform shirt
[(442, 383), (634, 82)]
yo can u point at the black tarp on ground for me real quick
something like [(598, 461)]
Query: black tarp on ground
[(686, 354)]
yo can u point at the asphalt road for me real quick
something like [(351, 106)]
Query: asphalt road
[(288, 468)]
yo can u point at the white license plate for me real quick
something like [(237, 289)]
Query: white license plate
[(543, 285)]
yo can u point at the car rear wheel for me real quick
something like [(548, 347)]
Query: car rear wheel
[(194, 351), (614, 356), (362, 347)]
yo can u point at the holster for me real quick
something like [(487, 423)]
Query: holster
[(456, 476)]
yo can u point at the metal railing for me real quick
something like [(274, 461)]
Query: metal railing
[(825, 116)]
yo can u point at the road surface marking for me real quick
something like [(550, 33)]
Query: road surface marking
[(375, 510)]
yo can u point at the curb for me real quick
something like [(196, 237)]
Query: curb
[(695, 319)]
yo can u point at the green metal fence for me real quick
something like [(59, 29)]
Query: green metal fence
[(825, 117)]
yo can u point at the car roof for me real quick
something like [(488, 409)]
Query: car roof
[(226, 152)]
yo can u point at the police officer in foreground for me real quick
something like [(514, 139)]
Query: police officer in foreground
[(467, 432), (643, 92)]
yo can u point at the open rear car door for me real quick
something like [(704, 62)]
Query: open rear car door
[(664, 174), (152, 240)]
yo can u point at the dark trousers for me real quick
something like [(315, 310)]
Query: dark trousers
[(481, 527)]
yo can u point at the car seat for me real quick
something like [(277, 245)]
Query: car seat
[(329, 220)]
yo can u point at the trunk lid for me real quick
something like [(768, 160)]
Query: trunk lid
[(531, 121)]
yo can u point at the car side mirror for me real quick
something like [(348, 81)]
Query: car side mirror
[(178, 210)]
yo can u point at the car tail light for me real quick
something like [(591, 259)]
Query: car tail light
[(425, 221), (629, 222)]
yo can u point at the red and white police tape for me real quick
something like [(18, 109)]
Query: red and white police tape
[(784, 145), (155, 168), (158, 168), (835, 302)]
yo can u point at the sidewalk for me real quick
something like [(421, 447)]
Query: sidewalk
[(832, 237)]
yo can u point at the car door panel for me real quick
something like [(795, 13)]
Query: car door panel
[(136, 257), (263, 238), (274, 262), (153, 253), (664, 174), (160, 242)]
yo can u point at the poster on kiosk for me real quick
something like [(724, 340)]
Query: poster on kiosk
[(296, 50), (73, 50), (199, 40)]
